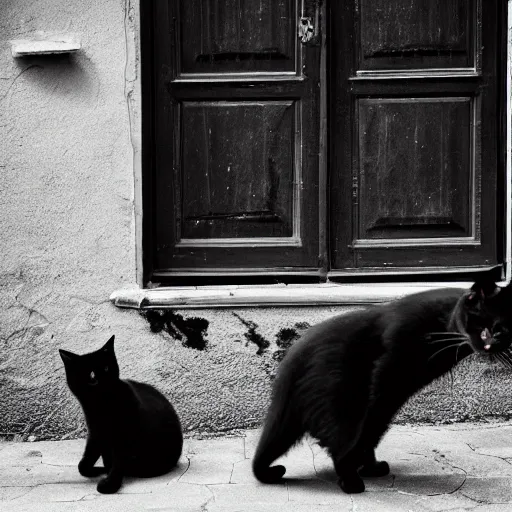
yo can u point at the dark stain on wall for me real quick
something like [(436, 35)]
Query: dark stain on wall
[(254, 337), (190, 331), (285, 338)]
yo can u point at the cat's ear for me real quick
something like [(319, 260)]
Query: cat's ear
[(484, 289), (109, 346), (67, 356)]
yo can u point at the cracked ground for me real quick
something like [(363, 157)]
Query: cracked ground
[(465, 467)]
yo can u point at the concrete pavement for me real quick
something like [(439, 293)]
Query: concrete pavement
[(464, 467)]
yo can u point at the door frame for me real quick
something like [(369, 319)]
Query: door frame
[(140, 104)]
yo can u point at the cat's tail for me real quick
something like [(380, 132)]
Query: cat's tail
[(282, 429)]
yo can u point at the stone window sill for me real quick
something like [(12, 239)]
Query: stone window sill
[(326, 294)]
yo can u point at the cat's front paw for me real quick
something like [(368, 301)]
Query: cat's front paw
[(351, 484), (85, 469), (109, 485)]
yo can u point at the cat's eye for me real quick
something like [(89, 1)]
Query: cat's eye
[(105, 369)]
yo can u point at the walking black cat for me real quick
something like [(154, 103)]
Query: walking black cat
[(344, 381), (131, 425)]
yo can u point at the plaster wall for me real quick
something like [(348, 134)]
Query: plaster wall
[(66, 196), (69, 162)]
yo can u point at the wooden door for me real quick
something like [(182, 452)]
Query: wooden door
[(414, 131), (236, 117)]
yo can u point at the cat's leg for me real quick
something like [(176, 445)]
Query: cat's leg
[(340, 438), (107, 460), (375, 426), (114, 479), (342, 421), (349, 479), (370, 466), (91, 455), (380, 414), (390, 389)]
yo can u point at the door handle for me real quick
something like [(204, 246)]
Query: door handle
[(306, 29)]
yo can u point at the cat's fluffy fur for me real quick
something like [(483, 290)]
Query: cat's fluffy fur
[(344, 381), (131, 425)]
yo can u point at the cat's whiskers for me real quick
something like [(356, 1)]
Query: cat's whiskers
[(447, 336), (498, 357), (446, 333), (505, 358), (458, 348), (462, 338), (453, 345)]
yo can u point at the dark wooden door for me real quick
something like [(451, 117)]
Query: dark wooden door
[(236, 117), (414, 130)]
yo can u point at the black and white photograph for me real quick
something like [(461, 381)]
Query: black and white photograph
[(256, 255)]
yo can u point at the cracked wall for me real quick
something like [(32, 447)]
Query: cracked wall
[(70, 143)]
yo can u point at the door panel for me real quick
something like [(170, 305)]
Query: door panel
[(413, 136), (237, 36), (415, 170), (400, 34), (236, 136), (238, 187)]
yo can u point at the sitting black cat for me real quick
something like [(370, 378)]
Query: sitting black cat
[(130, 424), (344, 381)]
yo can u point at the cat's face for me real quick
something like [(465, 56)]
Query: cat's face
[(486, 316), (91, 374)]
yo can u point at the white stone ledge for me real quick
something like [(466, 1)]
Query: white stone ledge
[(328, 294), (45, 44)]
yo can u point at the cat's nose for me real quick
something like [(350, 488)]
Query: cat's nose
[(495, 342), (486, 338)]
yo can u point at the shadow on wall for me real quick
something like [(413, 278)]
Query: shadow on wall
[(62, 75)]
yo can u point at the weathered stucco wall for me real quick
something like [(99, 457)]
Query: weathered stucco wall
[(68, 240), (66, 196)]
